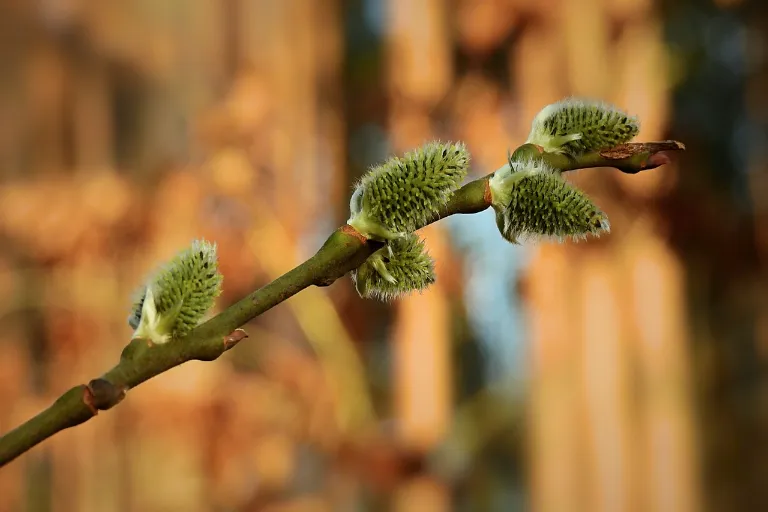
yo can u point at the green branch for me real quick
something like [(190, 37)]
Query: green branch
[(343, 251)]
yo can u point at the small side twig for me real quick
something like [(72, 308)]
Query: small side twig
[(233, 339)]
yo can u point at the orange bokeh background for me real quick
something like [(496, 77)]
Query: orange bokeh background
[(621, 374)]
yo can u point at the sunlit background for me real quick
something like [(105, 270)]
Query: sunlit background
[(623, 374)]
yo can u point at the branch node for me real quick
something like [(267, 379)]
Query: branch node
[(487, 194), (234, 338), (349, 230), (325, 281), (101, 395), (89, 400)]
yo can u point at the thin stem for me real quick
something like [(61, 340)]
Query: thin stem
[(629, 158)]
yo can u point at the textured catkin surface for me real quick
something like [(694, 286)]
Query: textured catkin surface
[(409, 264), (404, 192), (598, 125), (185, 287), (543, 205)]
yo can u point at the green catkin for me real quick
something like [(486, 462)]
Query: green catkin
[(400, 195), (177, 297), (576, 126), (532, 201), (401, 267)]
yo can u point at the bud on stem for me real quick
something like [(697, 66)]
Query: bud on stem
[(400, 195), (576, 126), (177, 297), (533, 201), (399, 268)]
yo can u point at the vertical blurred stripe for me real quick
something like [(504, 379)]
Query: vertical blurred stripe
[(557, 454), (419, 73), (605, 363), (423, 374), (667, 433), (604, 439)]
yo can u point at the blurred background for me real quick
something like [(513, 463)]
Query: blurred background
[(622, 374)]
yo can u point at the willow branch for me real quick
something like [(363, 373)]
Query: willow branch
[(342, 252), (629, 158)]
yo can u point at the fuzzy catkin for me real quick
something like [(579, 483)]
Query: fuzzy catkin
[(576, 126), (532, 201), (177, 297), (400, 268), (400, 195)]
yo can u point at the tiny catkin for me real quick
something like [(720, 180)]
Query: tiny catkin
[(177, 297), (401, 267), (400, 195), (576, 126), (532, 201)]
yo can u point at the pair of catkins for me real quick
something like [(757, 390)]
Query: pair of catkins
[(402, 195), (531, 200)]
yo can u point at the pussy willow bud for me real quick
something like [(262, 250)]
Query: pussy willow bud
[(177, 297), (400, 195), (395, 270), (576, 126), (533, 201)]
